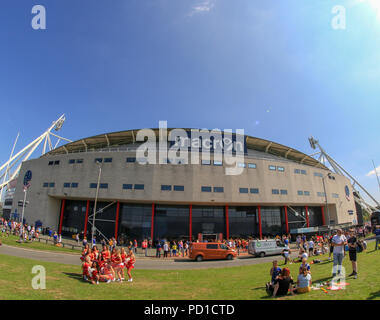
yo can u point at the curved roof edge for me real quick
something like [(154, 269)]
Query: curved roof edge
[(119, 138)]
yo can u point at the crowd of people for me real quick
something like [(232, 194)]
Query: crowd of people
[(338, 244)]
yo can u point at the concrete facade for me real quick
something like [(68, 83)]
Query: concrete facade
[(45, 202)]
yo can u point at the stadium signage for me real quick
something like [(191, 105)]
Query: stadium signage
[(179, 145)]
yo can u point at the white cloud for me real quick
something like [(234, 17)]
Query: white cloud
[(372, 173), (202, 7)]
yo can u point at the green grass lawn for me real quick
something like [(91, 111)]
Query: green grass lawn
[(247, 282), (13, 241)]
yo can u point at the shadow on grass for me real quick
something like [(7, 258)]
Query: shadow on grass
[(75, 276), (374, 295)]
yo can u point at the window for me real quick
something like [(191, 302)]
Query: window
[(254, 190), (206, 189), (281, 169), (51, 163), (103, 186), (46, 184), (127, 186), (139, 187), (206, 162), (100, 160), (284, 192), (56, 163), (303, 172), (275, 191), (51, 185), (218, 163), (93, 185), (166, 188), (71, 161), (79, 160), (107, 159), (318, 174), (66, 185), (74, 185), (131, 160), (243, 190), (321, 194), (298, 171), (241, 165), (272, 168), (179, 188), (335, 195), (252, 165), (212, 246), (350, 212), (300, 193), (306, 193), (219, 189)]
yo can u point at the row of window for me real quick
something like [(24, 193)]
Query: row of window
[(182, 188), (203, 162)]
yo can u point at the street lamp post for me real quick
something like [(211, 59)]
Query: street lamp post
[(96, 199), (22, 215), (326, 206)]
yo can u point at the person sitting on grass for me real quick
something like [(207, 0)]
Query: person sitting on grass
[(283, 284), (275, 271), (305, 265), (302, 254), (304, 281)]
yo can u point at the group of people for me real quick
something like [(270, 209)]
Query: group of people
[(172, 248), (25, 232), (338, 244), (281, 281), (107, 265)]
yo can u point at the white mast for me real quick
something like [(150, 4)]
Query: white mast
[(27, 151), (339, 170)]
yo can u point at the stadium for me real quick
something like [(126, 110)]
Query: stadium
[(279, 190)]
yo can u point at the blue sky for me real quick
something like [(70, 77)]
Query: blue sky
[(276, 69)]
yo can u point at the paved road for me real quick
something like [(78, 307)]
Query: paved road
[(141, 263)]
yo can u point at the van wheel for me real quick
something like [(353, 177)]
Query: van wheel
[(199, 258), (229, 257), (262, 254)]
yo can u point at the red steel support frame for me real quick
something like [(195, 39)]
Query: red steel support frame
[(323, 216), (307, 216), (152, 223), (61, 217), (227, 224), (286, 219), (117, 219), (190, 222), (86, 219), (260, 229)]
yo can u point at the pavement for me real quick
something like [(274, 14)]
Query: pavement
[(147, 263)]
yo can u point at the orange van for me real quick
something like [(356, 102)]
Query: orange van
[(211, 250)]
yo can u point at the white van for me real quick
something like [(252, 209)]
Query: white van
[(262, 248)]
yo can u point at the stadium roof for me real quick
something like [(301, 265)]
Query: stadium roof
[(122, 138)]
